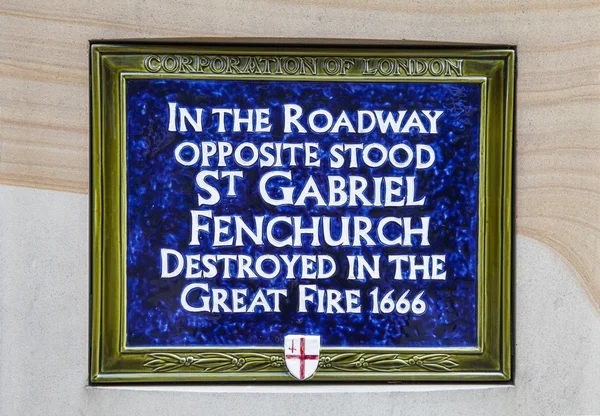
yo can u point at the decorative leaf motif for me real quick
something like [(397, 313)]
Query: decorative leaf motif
[(342, 357), (214, 362), (167, 357), (211, 362), (386, 362)]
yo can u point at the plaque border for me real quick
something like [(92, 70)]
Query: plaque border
[(111, 361)]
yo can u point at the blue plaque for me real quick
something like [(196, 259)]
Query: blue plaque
[(303, 216)]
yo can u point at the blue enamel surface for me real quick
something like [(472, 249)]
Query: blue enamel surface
[(161, 193)]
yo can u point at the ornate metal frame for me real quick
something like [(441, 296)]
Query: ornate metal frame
[(112, 361)]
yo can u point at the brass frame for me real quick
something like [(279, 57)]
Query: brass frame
[(111, 361)]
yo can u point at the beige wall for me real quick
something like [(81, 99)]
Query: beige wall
[(43, 234)]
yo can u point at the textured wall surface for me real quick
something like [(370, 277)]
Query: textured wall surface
[(44, 120)]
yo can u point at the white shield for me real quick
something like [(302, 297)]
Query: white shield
[(302, 355)]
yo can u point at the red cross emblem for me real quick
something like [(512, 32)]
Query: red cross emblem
[(302, 355)]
